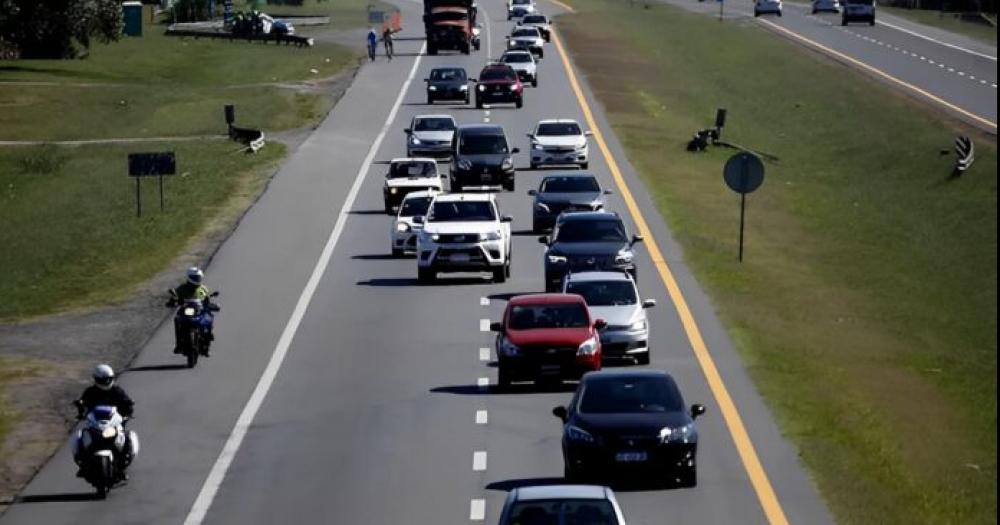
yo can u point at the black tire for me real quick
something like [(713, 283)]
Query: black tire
[(503, 379), (508, 185), (479, 103), (756, 13), (506, 267), (397, 253), (779, 14), (871, 22), (534, 81), (687, 477), (533, 166), (642, 359), (500, 275), (426, 275), (571, 474), (388, 210), (467, 99), (843, 22), (541, 53), (465, 49), (814, 11), (519, 103), (584, 165), (430, 100), (193, 349), (432, 50)]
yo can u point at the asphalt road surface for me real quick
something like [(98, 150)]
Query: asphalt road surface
[(361, 392), (950, 71)]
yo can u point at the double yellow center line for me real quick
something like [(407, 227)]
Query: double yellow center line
[(748, 454)]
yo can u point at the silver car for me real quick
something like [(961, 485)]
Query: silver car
[(527, 38), (539, 22), (614, 297), (546, 504), (762, 7), (825, 6), (430, 136), (523, 63)]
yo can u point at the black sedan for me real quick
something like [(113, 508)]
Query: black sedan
[(630, 422), (447, 83), (587, 241), (564, 193)]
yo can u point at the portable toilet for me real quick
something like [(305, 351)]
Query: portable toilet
[(132, 15)]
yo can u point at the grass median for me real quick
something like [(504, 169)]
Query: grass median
[(865, 309), (978, 29)]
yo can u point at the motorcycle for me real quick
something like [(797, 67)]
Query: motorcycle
[(193, 323), (103, 448)]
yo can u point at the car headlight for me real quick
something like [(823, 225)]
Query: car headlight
[(676, 435), (490, 236), (537, 146), (402, 227), (513, 87), (511, 43), (432, 88), (393, 190), (508, 163), (637, 326), (463, 87), (109, 432), (624, 257), (541, 206), (482, 87), (588, 347), (428, 237), (465, 164), (557, 259), (581, 147), (508, 349), (189, 311), (575, 433), (414, 140)]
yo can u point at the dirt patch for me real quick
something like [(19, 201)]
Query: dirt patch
[(60, 350)]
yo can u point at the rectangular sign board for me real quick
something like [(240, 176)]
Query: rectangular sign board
[(151, 164), (376, 17)]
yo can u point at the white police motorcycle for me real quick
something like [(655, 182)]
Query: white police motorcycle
[(103, 448)]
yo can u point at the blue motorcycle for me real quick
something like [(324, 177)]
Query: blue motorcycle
[(193, 326)]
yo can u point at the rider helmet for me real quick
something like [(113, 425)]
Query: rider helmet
[(195, 275), (104, 376)]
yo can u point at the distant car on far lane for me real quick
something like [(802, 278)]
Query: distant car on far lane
[(523, 62), (558, 504), (527, 38), (539, 22), (762, 7), (858, 11), (559, 141), (825, 6), (430, 135)]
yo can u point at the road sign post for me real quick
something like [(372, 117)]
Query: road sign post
[(150, 165), (722, 5), (744, 173)]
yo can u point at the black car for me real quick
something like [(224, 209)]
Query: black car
[(587, 241), (564, 193), (482, 158), (632, 422), (447, 83)]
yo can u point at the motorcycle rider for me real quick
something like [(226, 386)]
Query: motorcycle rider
[(191, 289), (104, 392)]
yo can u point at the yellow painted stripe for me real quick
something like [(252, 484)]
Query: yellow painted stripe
[(879, 73), (563, 5), (748, 454)]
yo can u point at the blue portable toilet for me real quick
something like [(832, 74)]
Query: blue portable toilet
[(132, 15)]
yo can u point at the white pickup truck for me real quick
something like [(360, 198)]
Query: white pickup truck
[(464, 232)]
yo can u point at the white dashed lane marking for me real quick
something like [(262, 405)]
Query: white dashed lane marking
[(484, 354), (483, 382), (482, 417), (484, 301), (479, 460), (484, 325), (477, 510)]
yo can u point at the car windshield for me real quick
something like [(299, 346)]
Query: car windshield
[(617, 395), (414, 206), (475, 144), (562, 512), (541, 316), (604, 293), (533, 19), (591, 231), (513, 58), (403, 170), (861, 2), (434, 124), (498, 73), (527, 31), (569, 185), (521, 2), (461, 211), (558, 129), (448, 74)]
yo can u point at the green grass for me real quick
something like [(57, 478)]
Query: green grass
[(71, 237), (866, 307), (13, 371), (164, 86), (979, 30)]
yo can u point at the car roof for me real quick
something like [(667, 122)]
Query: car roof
[(421, 194), (496, 65), (481, 129), (545, 298), (599, 276), (607, 373), (468, 197), (570, 175), (544, 492), (436, 115), (448, 68), (412, 159), (588, 216), (517, 52), (558, 120)]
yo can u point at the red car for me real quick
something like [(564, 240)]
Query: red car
[(547, 336), (499, 83)]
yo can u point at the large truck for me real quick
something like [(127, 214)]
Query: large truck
[(451, 24)]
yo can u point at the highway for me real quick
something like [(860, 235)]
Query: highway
[(948, 71), (341, 391)]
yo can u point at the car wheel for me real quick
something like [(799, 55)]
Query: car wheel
[(466, 99), (534, 81), (843, 22), (871, 22), (814, 11), (570, 473), (500, 275), (756, 13), (388, 210), (432, 50), (779, 14), (503, 378), (430, 100), (506, 268), (396, 252), (479, 103), (688, 477), (519, 103), (509, 185), (642, 359), (584, 165), (425, 275)]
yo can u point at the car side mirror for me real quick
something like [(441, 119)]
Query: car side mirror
[(496, 326), (609, 192), (473, 80), (588, 133), (507, 218), (427, 80), (636, 238), (561, 413), (407, 131), (419, 219), (530, 135), (532, 192), (515, 150), (214, 294), (544, 239), (649, 303), (697, 409), (600, 324)]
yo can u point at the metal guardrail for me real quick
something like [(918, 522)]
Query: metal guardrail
[(299, 41)]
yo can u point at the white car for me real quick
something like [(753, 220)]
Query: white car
[(430, 135), (406, 226), (825, 6), (539, 22), (408, 175), (761, 7), (523, 63), (464, 232), (528, 39), (559, 142), (519, 8)]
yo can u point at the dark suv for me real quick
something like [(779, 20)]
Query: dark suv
[(447, 83), (587, 241), (565, 192), (482, 158), (499, 83)]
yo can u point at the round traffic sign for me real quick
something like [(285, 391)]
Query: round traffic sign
[(744, 172)]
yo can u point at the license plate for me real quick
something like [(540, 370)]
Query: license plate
[(485, 177), (459, 257), (631, 457), (550, 369)]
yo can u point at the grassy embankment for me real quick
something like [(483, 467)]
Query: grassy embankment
[(866, 307)]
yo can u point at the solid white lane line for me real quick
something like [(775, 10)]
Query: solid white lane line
[(477, 510), (484, 301), (484, 354), (484, 325), (483, 382), (479, 460), (925, 37), (482, 417), (218, 473)]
